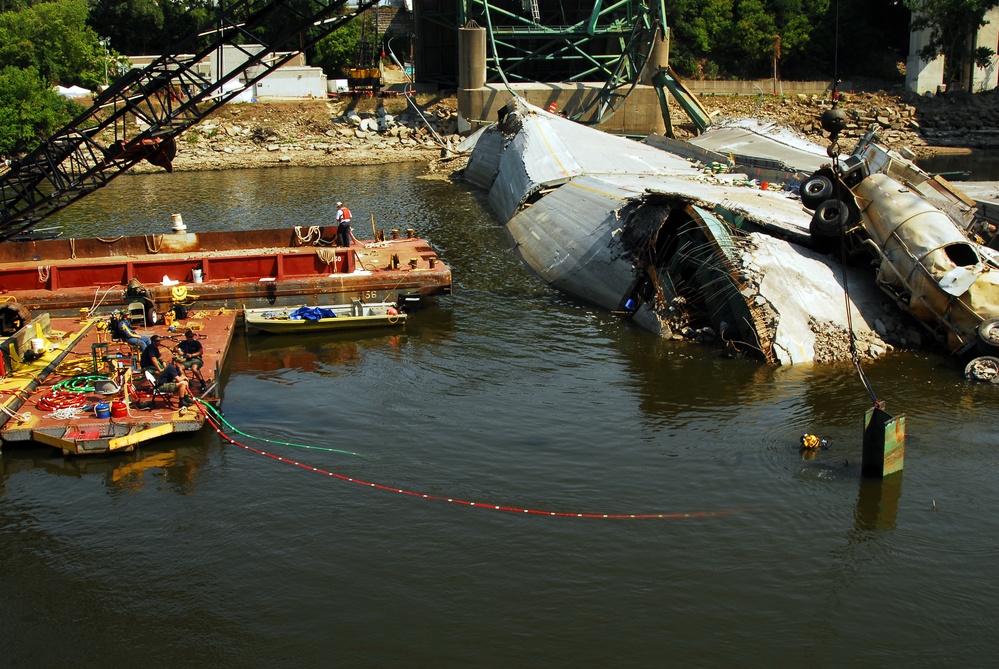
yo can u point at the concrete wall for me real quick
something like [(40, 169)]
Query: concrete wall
[(987, 78), (640, 115), (761, 86), (293, 82), (923, 76)]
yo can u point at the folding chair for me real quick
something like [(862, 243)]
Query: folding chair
[(167, 397), (137, 313)]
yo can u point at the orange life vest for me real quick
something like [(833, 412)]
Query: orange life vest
[(346, 214)]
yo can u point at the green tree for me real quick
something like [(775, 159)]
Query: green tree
[(181, 19), (337, 52), (14, 5), (29, 109), (752, 38), (952, 26), (53, 38), (134, 26), (737, 37), (42, 44), (697, 26), (759, 23)]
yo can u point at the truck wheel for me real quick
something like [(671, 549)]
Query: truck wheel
[(988, 337), (984, 369), (829, 219), (815, 190)]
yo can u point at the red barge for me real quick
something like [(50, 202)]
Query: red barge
[(219, 269), (191, 276), (68, 286), (82, 393)]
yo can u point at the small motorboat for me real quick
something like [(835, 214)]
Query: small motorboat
[(358, 314)]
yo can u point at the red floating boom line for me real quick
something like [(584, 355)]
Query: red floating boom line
[(478, 505)]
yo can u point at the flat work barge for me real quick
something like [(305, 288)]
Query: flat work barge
[(220, 269), (47, 397)]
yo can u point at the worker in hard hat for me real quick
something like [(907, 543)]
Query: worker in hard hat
[(343, 218)]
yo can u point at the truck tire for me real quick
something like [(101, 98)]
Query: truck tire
[(988, 337), (829, 220), (984, 369), (815, 190)]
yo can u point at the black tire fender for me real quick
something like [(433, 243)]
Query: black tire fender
[(815, 190)]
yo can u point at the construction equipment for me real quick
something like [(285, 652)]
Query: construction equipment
[(366, 76)]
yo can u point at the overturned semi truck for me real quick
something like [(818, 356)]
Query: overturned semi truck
[(679, 245)]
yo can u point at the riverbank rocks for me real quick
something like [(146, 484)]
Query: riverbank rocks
[(917, 124), (316, 133), (375, 131)]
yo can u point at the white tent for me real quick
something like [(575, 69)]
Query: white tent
[(245, 96), (73, 92)]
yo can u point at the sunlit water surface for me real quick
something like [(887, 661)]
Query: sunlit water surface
[(192, 552)]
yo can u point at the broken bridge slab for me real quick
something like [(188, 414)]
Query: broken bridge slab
[(806, 290)]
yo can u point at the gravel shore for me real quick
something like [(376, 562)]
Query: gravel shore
[(346, 132)]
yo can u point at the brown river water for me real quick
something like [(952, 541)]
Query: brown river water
[(194, 552)]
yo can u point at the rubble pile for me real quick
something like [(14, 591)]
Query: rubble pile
[(960, 119), (312, 133), (832, 343), (921, 124), (354, 132)]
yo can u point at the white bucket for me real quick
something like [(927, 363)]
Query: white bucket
[(178, 223), (37, 345), (196, 275)]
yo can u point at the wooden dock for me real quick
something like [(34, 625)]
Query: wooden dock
[(52, 397)]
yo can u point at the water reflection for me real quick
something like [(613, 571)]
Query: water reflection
[(983, 165), (877, 503), (174, 462), (272, 357), (246, 200)]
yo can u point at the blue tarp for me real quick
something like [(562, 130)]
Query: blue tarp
[(311, 313)]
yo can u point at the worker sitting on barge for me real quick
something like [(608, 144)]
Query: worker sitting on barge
[(173, 380), (191, 353), (151, 359), (122, 330)]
